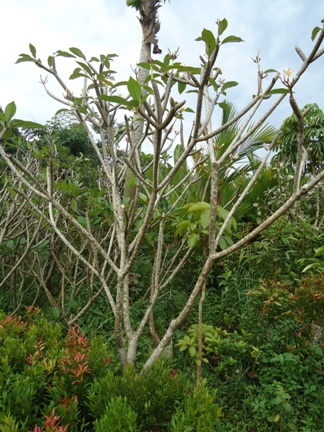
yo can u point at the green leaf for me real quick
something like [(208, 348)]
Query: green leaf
[(134, 89), (50, 61), (287, 406), (222, 212), (115, 99), (56, 313), (278, 91), (178, 151), (65, 110), (24, 58), (314, 32), (222, 244), (82, 221), (10, 244), (25, 124), (205, 218), (32, 50), (7, 135), (319, 251), (192, 351), (85, 67), (209, 39), (133, 182), (270, 70), (181, 87), (214, 84), (77, 52), (232, 38), (10, 111), (198, 207), (187, 109), (60, 53), (189, 69), (222, 26), (143, 198), (77, 74), (74, 206), (182, 227), (43, 245), (134, 3), (193, 240), (228, 85), (148, 89), (187, 340), (145, 65)]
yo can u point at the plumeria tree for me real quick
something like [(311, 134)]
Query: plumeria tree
[(106, 230)]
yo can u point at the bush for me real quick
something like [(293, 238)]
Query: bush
[(44, 371), (58, 380), (118, 416), (153, 395), (268, 365), (198, 413)]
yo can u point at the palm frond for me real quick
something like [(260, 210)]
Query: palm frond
[(263, 135)]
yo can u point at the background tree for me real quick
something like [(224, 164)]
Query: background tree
[(286, 146), (313, 150)]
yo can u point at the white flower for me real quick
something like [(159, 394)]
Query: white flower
[(288, 72)]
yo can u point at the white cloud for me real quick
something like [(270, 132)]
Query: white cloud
[(108, 26)]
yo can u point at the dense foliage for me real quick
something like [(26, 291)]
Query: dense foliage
[(262, 350), (55, 380)]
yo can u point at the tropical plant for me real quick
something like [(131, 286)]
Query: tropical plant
[(311, 132), (313, 139)]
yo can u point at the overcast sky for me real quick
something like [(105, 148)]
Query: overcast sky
[(272, 28)]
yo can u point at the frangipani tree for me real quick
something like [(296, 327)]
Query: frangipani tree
[(109, 250)]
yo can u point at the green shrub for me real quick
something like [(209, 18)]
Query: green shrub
[(199, 412), (289, 315), (57, 380), (224, 351), (118, 416), (8, 423), (44, 371), (153, 395), (265, 356)]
